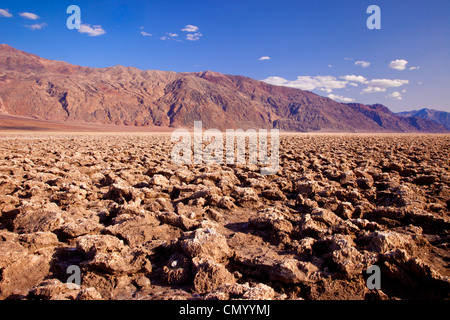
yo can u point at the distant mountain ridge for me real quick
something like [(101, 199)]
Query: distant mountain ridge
[(53, 90), (440, 117), (387, 119)]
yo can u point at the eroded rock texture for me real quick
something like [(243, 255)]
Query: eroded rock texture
[(140, 227)]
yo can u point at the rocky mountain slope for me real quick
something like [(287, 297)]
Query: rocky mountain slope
[(52, 90), (387, 119), (437, 116)]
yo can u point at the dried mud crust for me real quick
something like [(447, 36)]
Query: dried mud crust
[(140, 227)]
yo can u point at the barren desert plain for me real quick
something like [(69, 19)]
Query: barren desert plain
[(139, 226)]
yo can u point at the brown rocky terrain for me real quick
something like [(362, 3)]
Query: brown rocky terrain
[(140, 227), (31, 86)]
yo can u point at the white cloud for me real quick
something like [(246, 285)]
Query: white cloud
[(190, 28), (37, 26), (276, 81), (386, 83), (395, 95), (414, 68), (363, 64), (373, 89), (399, 64), (193, 36), (146, 34), (264, 58), (380, 85), (323, 83), (5, 13), (330, 66), (353, 78), (329, 83), (29, 15), (93, 31), (169, 36), (340, 98)]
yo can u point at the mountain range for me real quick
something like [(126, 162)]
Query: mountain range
[(437, 116), (43, 89)]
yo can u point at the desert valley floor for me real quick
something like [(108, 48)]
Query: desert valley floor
[(140, 227)]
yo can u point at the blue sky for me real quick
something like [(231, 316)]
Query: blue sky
[(322, 46)]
